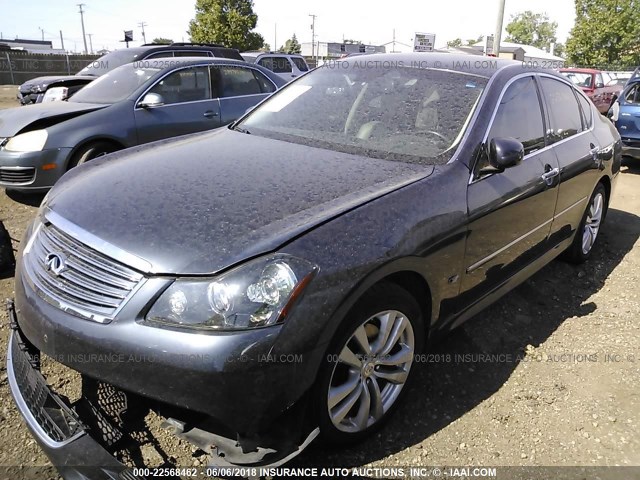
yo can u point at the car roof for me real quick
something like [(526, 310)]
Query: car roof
[(473, 64), (580, 70)]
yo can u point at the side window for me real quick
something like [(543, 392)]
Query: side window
[(238, 81), (163, 54), (266, 62), (633, 95), (599, 81), (564, 113), (186, 85), (586, 105), (300, 63), (266, 85), (519, 116), (280, 65)]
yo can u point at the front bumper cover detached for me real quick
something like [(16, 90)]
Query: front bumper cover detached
[(66, 436)]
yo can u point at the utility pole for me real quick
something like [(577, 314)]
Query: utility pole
[(62, 40), (84, 37), (275, 38), (498, 35), (142, 25), (90, 35), (313, 38), (42, 33)]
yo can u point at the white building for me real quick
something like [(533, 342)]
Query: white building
[(525, 53), (330, 50)]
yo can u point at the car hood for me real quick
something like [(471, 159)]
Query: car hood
[(14, 120), (202, 203)]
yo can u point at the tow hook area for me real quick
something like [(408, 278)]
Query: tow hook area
[(242, 452)]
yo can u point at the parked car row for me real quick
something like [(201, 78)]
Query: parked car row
[(274, 280), (133, 104), (34, 91), (38, 90)]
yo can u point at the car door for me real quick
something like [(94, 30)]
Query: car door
[(186, 105), (569, 132), (628, 122), (239, 89), (510, 212)]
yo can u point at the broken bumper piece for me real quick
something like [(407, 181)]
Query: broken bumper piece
[(66, 436)]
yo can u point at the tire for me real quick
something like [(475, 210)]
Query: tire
[(589, 228), (346, 382), (91, 151)]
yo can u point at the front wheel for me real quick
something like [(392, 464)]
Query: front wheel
[(91, 151), (369, 364), (589, 228)]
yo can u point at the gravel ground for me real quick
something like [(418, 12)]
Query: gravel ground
[(548, 376)]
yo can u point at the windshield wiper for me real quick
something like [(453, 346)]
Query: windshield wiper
[(241, 130)]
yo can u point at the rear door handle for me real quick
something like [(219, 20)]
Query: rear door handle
[(210, 114), (549, 176), (595, 153)]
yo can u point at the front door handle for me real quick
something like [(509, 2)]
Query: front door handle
[(210, 114), (549, 177), (594, 152)]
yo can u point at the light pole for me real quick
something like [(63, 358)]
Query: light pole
[(498, 35), (84, 38), (90, 35), (142, 25), (313, 38)]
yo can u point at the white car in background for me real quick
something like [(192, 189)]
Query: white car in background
[(287, 66)]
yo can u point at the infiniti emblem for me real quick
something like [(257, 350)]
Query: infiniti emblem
[(55, 262)]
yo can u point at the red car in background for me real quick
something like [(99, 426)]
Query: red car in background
[(592, 83)]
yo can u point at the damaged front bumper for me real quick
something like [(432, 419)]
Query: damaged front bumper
[(77, 447)]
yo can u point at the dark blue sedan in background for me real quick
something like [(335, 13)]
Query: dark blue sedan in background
[(133, 104), (625, 113)]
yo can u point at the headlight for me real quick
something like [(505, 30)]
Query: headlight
[(256, 294), (27, 142)]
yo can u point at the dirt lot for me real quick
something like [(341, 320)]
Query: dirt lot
[(548, 376)]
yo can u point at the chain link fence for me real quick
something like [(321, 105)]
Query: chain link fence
[(17, 67)]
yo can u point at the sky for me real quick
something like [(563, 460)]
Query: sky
[(369, 22)]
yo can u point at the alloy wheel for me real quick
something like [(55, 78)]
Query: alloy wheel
[(370, 372), (592, 223)]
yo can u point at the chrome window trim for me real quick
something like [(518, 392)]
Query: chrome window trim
[(495, 112), (490, 257), (221, 64), (23, 408)]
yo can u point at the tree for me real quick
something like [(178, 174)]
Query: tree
[(291, 46), (265, 47), (162, 41), (559, 50), (455, 43), (471, 42), (533, 29), (228, 22), (606, 33)]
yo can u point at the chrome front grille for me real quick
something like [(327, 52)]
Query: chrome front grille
[(76, 278)]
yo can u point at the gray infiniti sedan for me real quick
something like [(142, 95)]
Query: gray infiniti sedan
[(133, 104), (272, 282)]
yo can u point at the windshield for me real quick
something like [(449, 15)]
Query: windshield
[(400, 113), (110, 61), (579, 79), (115, 85)]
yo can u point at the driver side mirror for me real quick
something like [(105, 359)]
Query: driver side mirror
[(504, 153), (151, 100)]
